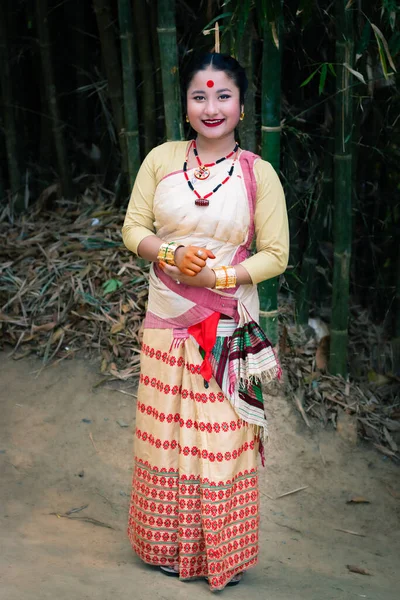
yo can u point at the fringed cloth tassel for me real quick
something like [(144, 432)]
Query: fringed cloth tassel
[(241, 359)]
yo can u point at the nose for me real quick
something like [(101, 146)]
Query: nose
[(211, 108)]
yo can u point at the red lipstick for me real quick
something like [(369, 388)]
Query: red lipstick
[(213, 122)]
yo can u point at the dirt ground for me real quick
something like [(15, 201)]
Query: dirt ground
[(62, 447)]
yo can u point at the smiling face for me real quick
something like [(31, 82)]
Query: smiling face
[(213, 104)]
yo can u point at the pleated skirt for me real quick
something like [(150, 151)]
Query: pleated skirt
[(195, 499)]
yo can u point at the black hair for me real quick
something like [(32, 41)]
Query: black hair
[(219, 62)]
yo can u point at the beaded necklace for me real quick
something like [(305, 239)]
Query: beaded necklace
[(203, 201), (202, 172)]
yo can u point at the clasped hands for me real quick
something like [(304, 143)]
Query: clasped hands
[(191, 267)]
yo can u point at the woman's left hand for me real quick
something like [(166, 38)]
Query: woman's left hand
[(204, 279)]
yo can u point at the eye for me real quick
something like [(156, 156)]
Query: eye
[(224, 97), (198, 98)]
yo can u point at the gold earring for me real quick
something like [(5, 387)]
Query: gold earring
[(187, 119), (242, 115)]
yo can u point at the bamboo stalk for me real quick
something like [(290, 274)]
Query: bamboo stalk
[(81, 58), (342, 191), (10, 126), (397, 303), (147, 91), (51, 96), (396, 333), (294, 207), (112, 67), (170, 70), (270, 137), (2, 187), (128, 75), (315, 232), (246, 58)]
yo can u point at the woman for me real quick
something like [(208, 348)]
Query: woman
[(194, 209)]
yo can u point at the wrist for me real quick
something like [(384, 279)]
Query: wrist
[(213, 279)]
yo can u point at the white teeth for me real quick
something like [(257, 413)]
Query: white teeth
[(213, 121)]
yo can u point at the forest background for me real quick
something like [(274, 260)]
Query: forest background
[(88, 88)]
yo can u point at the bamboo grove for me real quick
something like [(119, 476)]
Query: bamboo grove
[(88, 88)]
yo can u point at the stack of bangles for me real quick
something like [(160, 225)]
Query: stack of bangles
[(167, 251), (225, 277)]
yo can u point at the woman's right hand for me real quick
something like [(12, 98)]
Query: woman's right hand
[(190, 260)]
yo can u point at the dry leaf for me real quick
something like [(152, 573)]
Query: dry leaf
[(117, 327), (44, 327), (359, 570), (57, 334), (358, 500)]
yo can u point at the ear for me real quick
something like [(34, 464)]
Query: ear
[(242, 108)]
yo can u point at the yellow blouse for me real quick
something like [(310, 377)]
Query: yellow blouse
[(270, 218)]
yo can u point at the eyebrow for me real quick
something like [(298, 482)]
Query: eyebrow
[(218, 91)]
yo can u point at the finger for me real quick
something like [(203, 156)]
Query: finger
[(189, 264), (203, 253), (189, 272), (200, 262), (194, 267)]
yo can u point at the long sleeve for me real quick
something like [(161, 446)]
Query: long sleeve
[(139, 218), (271, 226)]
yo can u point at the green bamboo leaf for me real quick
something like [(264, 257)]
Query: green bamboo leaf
[(221, 16), (309, 77), (364, 40), (357, 74), (379, 36), (382, 58), (322, 78), (332, 69), (111, 285)]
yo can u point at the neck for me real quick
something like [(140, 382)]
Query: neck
[(218, 148)]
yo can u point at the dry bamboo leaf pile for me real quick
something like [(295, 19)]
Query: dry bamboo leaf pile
[(68, 284), (367, 406)]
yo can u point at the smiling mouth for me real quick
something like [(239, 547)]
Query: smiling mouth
[(213, 122)]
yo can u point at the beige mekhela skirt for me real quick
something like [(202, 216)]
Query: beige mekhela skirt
[(195, 496)]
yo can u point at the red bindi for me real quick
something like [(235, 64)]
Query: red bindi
[(210, 83)]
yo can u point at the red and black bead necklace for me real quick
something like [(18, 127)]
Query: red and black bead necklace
[(202, 172), (203, 200)]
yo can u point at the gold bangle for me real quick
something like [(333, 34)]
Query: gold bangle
[(225, 277), (167, 251)]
